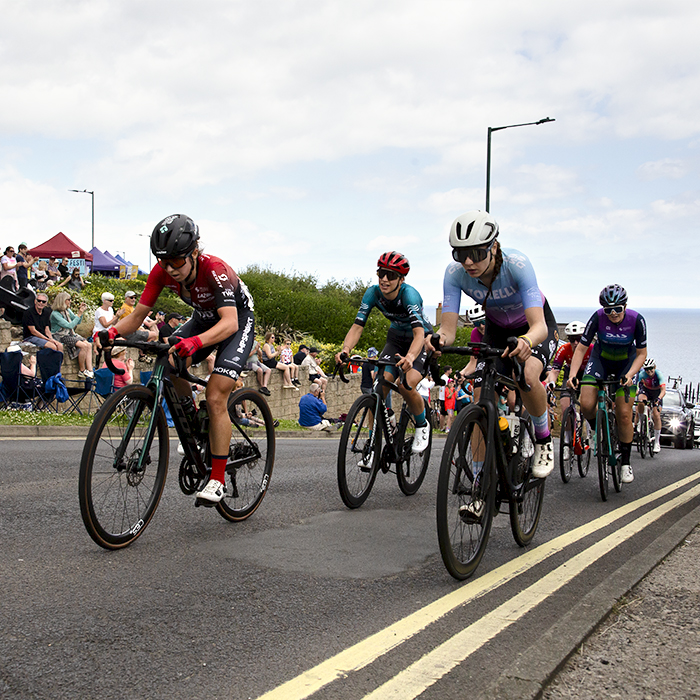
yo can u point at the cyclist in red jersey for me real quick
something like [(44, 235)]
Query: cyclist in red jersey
[(222, 319), (562, 359)]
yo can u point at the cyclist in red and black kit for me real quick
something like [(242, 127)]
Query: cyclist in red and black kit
[(562, 360), (222, 320)]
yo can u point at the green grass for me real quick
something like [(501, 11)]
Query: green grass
[(43, 418)]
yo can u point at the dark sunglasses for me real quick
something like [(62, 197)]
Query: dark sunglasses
[(575, 339), (476, 253), (609, 310), (42, 301), (175, 263), (481, 322), (389, 274)]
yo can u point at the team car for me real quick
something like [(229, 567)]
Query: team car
[(677, 421)]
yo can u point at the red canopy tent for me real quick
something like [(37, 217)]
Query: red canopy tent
[(60, 246)]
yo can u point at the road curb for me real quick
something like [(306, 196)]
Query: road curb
[(528, 676)]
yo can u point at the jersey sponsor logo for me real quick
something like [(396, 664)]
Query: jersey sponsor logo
[(232, 373), (246, 334)]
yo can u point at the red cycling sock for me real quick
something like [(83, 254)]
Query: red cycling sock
[(218, 467)]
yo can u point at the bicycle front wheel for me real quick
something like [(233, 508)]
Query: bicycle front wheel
[(251, 455), (465, 494), (566, 445), (411, 468), (651, 438), (641, 436), (615, 469), (358, 452), (526, 505), (602, 450), (122, 471)]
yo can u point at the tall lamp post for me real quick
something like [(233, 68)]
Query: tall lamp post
[(491, 129), (92, 194), (147, 235)]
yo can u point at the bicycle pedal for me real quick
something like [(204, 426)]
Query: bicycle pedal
[(203, 502)]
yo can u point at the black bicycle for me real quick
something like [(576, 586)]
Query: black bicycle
[(607, 441), (360, 453), (125, 457), (573, 440), (487, 461), (644, 432)]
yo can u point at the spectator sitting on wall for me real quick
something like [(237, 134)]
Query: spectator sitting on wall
[(36, 323), (316, 373), (255, 364), (160, 319), (40, 281), (301, 354), (172, 322), (312, 406), (74, 281)]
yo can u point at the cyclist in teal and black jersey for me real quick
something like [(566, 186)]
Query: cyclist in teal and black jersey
[(651, 386), (403, 306), (504, 283)]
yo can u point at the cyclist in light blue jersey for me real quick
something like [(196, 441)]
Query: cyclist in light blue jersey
[(503, 282), (403, 306)]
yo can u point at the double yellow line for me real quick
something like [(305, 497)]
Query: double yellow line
[(430, 668)]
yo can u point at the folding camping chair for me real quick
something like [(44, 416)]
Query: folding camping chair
[(16, 391), (100, 387), (144, 377), (54, 389)]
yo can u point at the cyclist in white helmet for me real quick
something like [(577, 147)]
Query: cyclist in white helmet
[(651, 387), (504, 283)]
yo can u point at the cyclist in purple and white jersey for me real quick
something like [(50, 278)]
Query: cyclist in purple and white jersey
[(651, 386), (620, 351), (504, 283)]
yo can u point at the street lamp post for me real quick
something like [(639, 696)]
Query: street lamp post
[(491, 129), (147, 235), (92, 194)]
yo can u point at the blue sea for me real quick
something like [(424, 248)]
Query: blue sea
[(673, 338)]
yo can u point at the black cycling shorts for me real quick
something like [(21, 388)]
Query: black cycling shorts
[(398, 345), (231, 353)]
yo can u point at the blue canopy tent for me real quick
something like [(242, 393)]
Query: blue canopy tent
[(104, 263)]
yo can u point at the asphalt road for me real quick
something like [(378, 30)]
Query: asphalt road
[(198, 607)]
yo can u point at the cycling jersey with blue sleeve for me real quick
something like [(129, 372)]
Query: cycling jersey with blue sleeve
[(651, 381), (616, 341), (514, 290), (405, 312)]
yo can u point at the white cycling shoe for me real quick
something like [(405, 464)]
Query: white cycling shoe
[(543, 460), (213, 492), (627, 475), (420, 439)]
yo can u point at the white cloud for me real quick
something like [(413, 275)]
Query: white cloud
[(670, 168)]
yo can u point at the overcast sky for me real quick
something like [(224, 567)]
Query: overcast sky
[(312, 135)]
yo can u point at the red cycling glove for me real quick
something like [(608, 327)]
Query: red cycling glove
[(188, 346), (112, 333)]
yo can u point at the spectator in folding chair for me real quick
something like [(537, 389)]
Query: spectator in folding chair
[(18, 388), (101, 387), (121, 380)]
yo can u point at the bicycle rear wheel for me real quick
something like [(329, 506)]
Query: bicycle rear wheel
[(651, 438), (118, 497), (465, 495), (411, 468), (358, 452), (526, 505), (584, 459), (251, 456), (566, 445), (602, 453), (642, 436)]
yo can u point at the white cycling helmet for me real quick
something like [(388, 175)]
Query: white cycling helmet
[(649, 363), (473, 228), (476, 313), (575, 328)]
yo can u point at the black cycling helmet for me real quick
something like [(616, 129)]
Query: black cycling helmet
[(612, 295), (174, 237)]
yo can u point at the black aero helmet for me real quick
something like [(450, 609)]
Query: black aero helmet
[(174, 237), (613, 295)]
